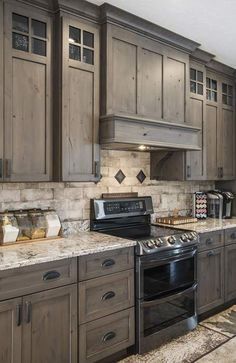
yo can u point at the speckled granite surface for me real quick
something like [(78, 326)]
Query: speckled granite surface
[(82, 243), (208, 225)]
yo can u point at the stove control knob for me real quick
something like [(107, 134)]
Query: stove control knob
[(150, 244), (158, 242), (190, 236), (172, 240), (184, 237)]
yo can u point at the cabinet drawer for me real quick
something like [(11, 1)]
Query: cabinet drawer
[(26, 280), (211, 240), (105, 263), (105, 295), (230, 236), (106, 336)]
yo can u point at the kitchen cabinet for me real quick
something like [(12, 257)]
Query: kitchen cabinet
[(230, 266), (42, 326), (50, 326), (106, 304), (27, 43), (210, 279), (11, 331), (143, 77), (76, 151)]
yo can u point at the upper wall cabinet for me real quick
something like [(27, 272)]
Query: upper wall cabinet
[(78, 118), (26, 137), (143, 77)]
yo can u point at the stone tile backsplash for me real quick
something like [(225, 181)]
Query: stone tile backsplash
[(71, 200)]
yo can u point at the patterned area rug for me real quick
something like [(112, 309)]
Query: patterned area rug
[(214, 340)]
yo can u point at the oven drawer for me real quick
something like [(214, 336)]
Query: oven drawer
[(44, 276), (105, 263), (105, 295), (211, 240), (106, 336), (230, 236)]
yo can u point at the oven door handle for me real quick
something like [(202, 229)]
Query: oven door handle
[(168, 298), (161, 261)]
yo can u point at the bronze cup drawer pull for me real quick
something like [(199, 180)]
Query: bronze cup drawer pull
[(108, 263), (108, 336), (210, 253), (51, 275), (108, 295), (233, 235), (209, 241)]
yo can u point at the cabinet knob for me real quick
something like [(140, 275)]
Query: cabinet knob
[(51, 275), (1, 168), (28, 311), (233, 235), (108, 263), (108, 295), (18, 314), (108, 336)]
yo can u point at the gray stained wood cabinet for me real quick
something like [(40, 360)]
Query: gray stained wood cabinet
[(230, 265), (143, 77), (211, 107), (77, 150), (26, 145), (39, 327)]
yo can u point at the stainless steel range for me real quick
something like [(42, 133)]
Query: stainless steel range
[(166, 279)]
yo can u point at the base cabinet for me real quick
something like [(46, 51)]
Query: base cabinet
[(49, 333), (10, 331), (210, 279), (230, 272)]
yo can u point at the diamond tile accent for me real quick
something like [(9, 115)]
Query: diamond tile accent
[(120, 176), (141, 176)]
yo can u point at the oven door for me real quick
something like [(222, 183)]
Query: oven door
[(165, 273), (164, 315)]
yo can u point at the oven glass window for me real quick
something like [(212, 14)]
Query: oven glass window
[(160, 315), (167, 278)]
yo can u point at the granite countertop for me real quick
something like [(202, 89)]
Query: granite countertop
[(207, 225), (83, 243)]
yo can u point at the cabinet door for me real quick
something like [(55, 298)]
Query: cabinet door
[(226, 134), (28, 118), (50, 328), (10, 331), (80, 101), (196, 160), (230, 272), (210, 279), (1, 91)]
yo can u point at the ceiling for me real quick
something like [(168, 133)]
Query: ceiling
[(208, 22)]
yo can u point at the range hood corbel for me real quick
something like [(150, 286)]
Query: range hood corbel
[(122, 132)]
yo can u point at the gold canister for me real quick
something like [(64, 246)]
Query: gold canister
[(38, 222), (24, 224)]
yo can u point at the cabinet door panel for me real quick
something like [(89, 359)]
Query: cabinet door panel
[(50, 330), (211, 137), (10, 342), (227, 146), (210, 279), (1, 90), (195, 159), (174, 90), (124, 76), (150, 84), (80, 103), (230, 272), (80, 121), (28, 118)]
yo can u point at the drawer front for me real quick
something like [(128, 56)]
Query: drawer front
[(106, 336), (105, 263), (105, 295), (230, 236), (30, 279), (211, 240)]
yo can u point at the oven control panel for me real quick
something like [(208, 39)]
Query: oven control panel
[(152, 245)]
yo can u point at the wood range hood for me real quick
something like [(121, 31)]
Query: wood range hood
[(122, 132)]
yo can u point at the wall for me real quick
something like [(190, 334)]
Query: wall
[(71, 200)]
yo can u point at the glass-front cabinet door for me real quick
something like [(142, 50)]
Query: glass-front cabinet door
[(28, 111), (80, 101)]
